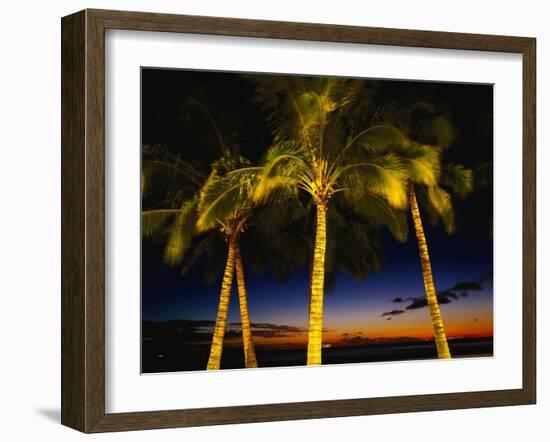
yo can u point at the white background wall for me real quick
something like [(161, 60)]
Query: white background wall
[(30, 216)]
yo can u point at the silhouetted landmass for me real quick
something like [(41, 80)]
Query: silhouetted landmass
[(184, 346)]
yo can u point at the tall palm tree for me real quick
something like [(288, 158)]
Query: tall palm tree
[(219, 205), (225, 204), (428, 130), (318, 152), (185, 191)]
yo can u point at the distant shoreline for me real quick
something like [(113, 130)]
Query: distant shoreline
[(171, 356)]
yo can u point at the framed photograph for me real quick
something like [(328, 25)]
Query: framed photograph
[(266, 221)]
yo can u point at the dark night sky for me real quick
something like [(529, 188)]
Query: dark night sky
[(352, 307)]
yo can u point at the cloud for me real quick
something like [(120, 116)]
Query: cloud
[(400, 299), (393, 313), (354, 338), (460, 290), (197, 331), (447, 295), (468, 285), (465, 286), (417, 303), (444, 297), (357, 340), (268, 330)]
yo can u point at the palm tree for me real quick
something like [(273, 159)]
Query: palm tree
[(219, 205), (427, 130), (225, 205), (320, 153), (186, 191)]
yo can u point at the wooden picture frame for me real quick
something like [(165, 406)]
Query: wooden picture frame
[(83, 220)]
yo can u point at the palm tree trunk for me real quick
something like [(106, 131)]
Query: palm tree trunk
[(221, 319), (315, 338), (249, 353), (429, 287)]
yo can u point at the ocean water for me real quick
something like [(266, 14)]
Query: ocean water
[(168, 355)]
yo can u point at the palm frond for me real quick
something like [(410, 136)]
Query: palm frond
[(212, 248), (440, 205), (177, 224), (459, 179), (427, 125), (441, 132), (357, 236), (378, 212), (283, 167), (154, 221), (275, 216), (219, 199), (423, 162), (166, 179), (378, 138), (225, 197), (384, 176)]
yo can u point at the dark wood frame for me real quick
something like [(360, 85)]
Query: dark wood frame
[(83, 216)]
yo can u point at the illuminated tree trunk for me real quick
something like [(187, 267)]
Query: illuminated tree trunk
[(249, 353), (221, 319), (429, 287), (315, 338)]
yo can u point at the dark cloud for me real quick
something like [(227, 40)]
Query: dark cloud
[(421, 301), (444, 297), (393, 313), (478, 285), (357, 340), (270, 333), (268, 330), (345, 334), (468, 285), (270, 326), (201, 330), (400, 299), (417, 303), (459, 290), (449, 294)]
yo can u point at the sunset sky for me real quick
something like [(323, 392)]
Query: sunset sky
[(354, 310), (385, 305)]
